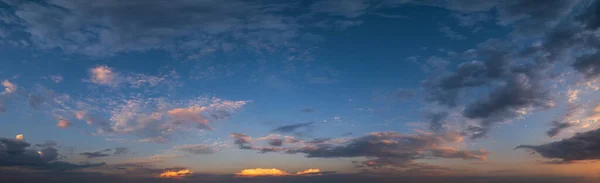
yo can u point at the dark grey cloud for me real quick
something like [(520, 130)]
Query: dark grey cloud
[(120, 150), (517, 86), (562, 123), (588, 65), (276, 142), (196, 149), (582, 146), (522, 91), (436, 120), (242, 140), (292, 128), (318, 140), (48, 143), (590, 18), (97, 154), (392, 147), (16, 153), (557, 127), (308, 109)]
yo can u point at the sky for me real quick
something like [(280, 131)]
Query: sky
[(300, 91)]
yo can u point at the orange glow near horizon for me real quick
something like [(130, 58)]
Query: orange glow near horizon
[(176, 173), (273, 172)]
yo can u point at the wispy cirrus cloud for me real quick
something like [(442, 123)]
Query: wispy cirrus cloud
[(106, 76)]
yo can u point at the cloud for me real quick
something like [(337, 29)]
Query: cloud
[(156, 119), (242, 140), (569, 119), (194, 114), (449, 33), (8, 87), (399, 148), (518, 76), (56, 78), (181, 27), (582, 146), (176, 173), (120, 150), (19, 137), (471, 19), (292, 128), (276, 142), (63, 123), (518, 96), (309, 172), (97, 154), (261, 172), (196, 148), (349, 8), (147, 161), (105, 76), (588, 66), (557, 127), (392, 16), (258, 172), (436, 120), (15, 153)]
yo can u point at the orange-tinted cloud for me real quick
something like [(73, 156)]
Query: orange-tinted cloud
[(19, 137), (274, 172), (309, 172), (176, 173), (261, 172), (63, 123)]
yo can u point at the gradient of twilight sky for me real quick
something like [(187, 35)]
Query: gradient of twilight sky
[(336, 90)]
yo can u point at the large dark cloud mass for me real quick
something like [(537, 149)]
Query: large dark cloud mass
[(517, 76), (582, 146), (392, 145), (15, 153)]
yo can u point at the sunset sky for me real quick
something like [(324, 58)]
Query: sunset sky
[(350, 91)]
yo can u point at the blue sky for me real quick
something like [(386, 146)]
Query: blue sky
[(354, 88)]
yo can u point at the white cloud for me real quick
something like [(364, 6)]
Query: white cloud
[(56, 78), (8, 87)]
